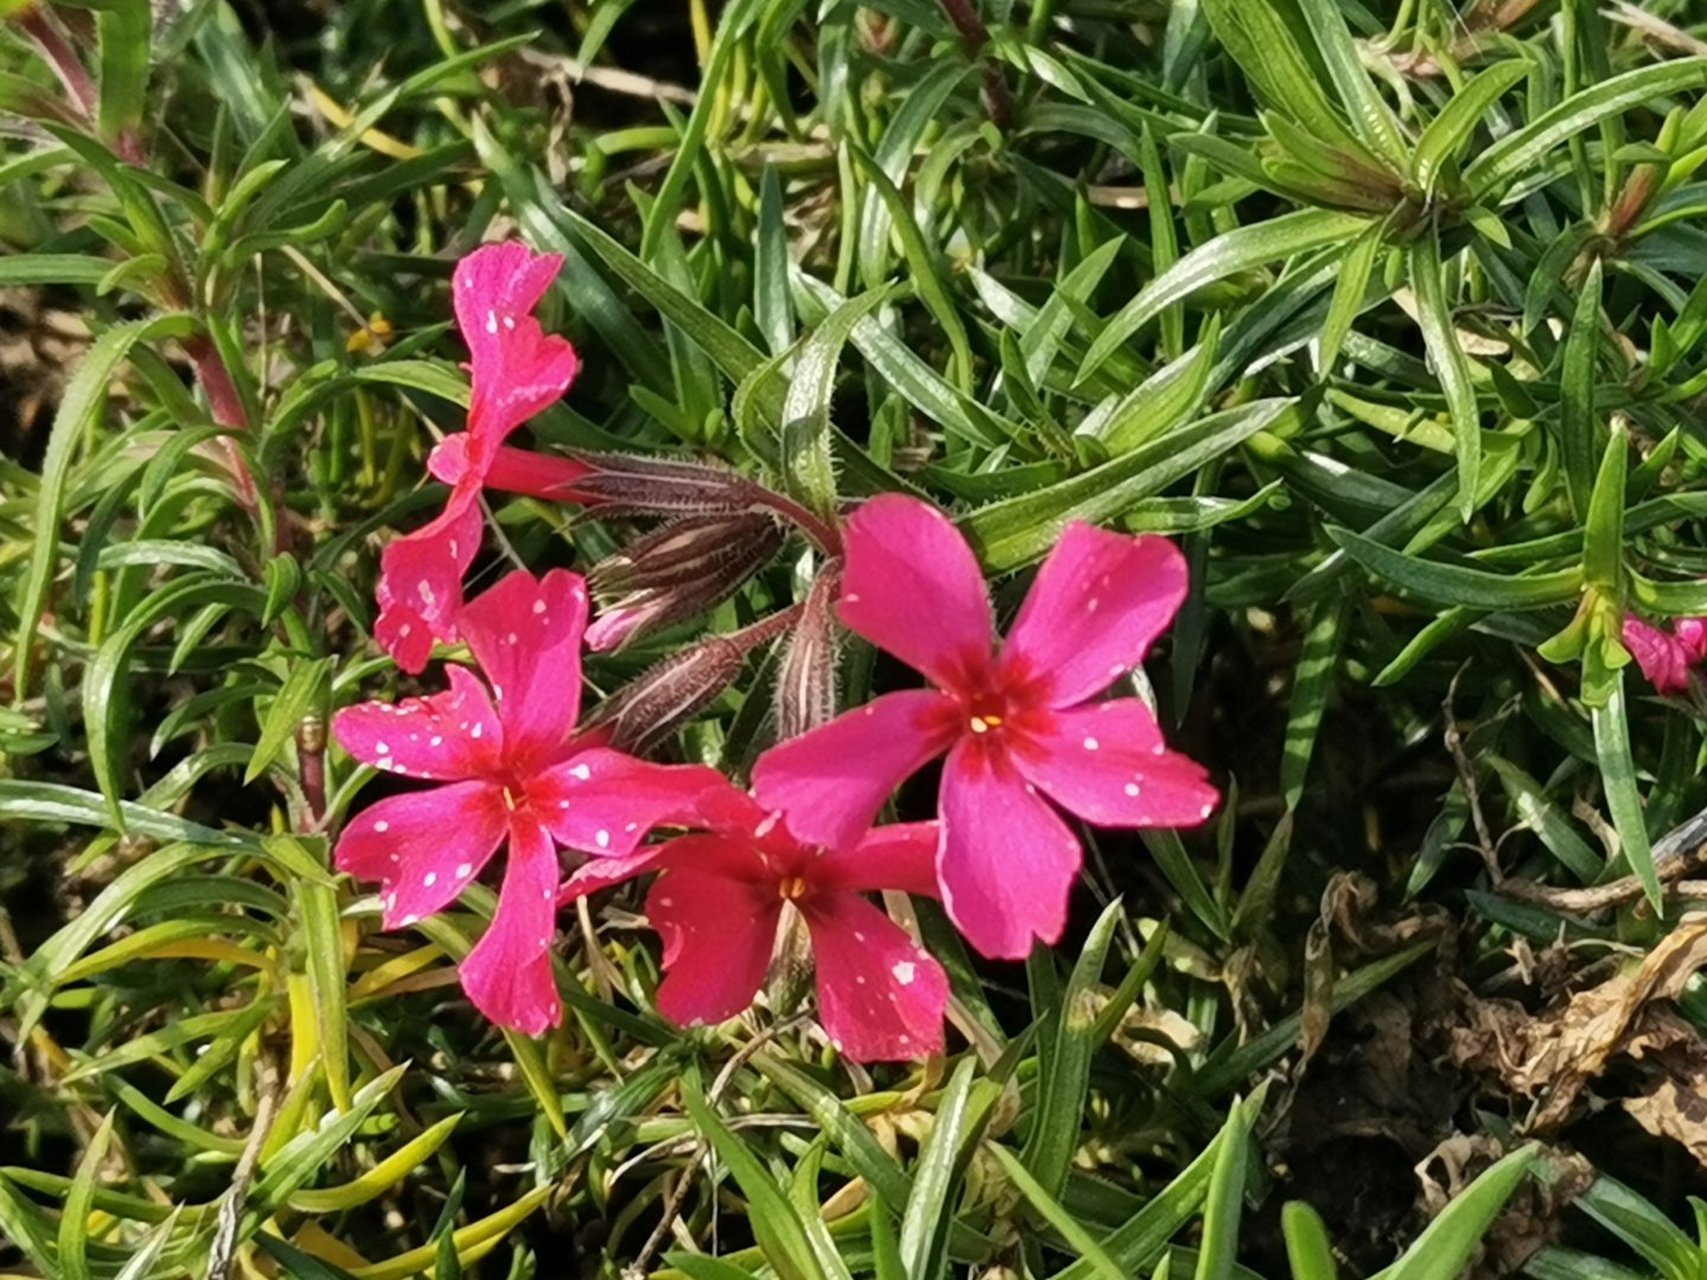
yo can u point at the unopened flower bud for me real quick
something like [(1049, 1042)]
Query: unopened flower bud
[(654, 704), (633, 484), (806, 678), (679, 571)]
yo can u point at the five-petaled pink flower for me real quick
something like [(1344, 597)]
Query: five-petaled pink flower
[(1667, 657), (512, 766), (1013, 723), (516, 370), (721, 899)]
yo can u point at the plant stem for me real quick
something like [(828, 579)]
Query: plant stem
[(63, 59), (998, 103), (227, 409)]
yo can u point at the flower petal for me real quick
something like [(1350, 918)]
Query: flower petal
[(1007, 862), (899, 856), (450, 735), (420, 581), (518, 370), (605, 873), (1691, 633), (1663, 658), (912, 586), (508, 974), (880, 996), (424, 848), (831, 782), (605, 803), (1099, 602), (1107, 763), (526, 635), (718, 933)]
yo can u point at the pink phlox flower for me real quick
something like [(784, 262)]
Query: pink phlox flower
[(516, 370), (720, 899), (1667, 657), (1017, 724), (510, 766)]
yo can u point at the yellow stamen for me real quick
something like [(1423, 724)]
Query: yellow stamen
[(983, 724), (792, 889)]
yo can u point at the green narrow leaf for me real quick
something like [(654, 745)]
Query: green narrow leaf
[(1579, 423), (1065, 1069), (1350, 286), (1370, 115), (927, 276), (304, 692), (1444, 1248), (1219, 1248), (81, 404), (1312, 683), (1239, 250), (1623, 797), (924, 1224), (1451, 585), (1518, 153), (775, 1223), (808, 467), (74, 1219), (1434, 316), (1018, 530), (1449, 132), (1056, 1215), (1308, 1250), (323, 946), (772, 310)]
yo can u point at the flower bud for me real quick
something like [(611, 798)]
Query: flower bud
[(678, 571), (633, 484), (654, 704), (806, 678)]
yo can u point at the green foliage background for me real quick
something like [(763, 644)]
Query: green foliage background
[(1391, 312)]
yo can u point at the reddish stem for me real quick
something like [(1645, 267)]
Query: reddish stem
[(63, 59), (998, 103), (824, 535), (227, 409)]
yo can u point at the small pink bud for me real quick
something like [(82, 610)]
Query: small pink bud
[(655, 703), (678, 572)]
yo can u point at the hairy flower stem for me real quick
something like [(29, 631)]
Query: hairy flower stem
[(998, 103), (824, 535)]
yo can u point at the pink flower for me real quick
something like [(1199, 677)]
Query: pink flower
[(511, 766), (1014, 723), (1667, 657), (516, 371), (720, 901)]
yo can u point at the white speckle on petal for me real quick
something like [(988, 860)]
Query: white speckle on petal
[(580, 772), (904, 972), (430, 879), (475, 731), (382, 826), (1091, 744), (464, 870), (382, 748), (666, 902), (601, 837), (1207, 810), (437, 740), (511, 638), (850, 597), (1132, 788), (858, 936), (562, 804), (1091, 605), (491, 322), (539, 606), (767, 825), (509, 322), (407, 920)]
